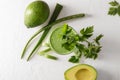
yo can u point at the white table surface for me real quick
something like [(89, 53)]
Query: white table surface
[(14, 35)]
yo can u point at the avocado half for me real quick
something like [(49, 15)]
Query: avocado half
[(81, 72)]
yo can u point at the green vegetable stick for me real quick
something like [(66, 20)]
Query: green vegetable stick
[(48, 29), (56, 12), (44, 51), (50, 57)]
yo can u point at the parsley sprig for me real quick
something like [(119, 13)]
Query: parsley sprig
[(114, 9), (81, 44)]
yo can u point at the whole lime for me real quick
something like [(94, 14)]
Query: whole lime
[(36, 14)]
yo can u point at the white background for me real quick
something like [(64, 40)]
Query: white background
[(14, 35)]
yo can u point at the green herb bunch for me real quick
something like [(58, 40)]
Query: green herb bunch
[(114, 9), (81, 44)]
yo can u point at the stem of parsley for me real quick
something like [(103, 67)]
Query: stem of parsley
[(48, 29)]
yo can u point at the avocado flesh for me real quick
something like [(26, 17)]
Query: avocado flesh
[(81, 72)]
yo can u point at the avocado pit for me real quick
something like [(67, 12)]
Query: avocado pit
[(83, 74)]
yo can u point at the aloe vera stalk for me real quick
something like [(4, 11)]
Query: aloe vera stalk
[(54, 16), (48, 29)]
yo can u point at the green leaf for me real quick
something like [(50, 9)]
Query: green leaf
[(68, 46), (73, 59), (70, 41), (112, 11), (76, 37), (95, 56), (98, 38), (86, 33), (92, 51), (82, 31), (81, 47), (89, 30), (64, 29), (114, 3), (115, 9), (118, 10), (98, 49)]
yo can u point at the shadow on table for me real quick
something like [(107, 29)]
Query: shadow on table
[(103, 75)]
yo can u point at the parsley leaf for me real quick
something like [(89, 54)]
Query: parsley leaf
[(86, 33), (118, 10), (98, 38), (92, 51), (114, 9), (114, 3), (65, 28), (68, 46), (74, 59)]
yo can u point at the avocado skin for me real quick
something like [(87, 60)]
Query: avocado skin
[(36, 14), (80, 65)]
